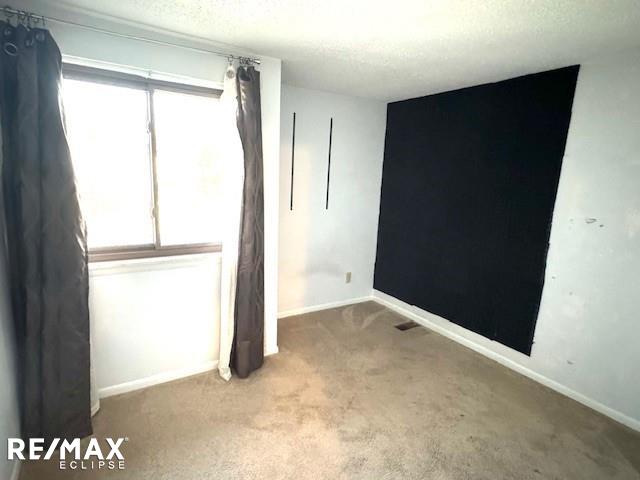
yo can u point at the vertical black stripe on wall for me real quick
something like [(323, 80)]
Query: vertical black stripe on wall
[(326, 206), (293, 159)]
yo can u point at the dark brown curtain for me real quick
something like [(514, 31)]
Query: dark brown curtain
[(247, 351), (46, 239)]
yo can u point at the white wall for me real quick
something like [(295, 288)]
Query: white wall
[(154, 319), (586, 339), (318, 246), (125, 337)]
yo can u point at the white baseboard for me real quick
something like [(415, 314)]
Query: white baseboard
[(426, 319), (323, 306), (156, 379), (271, 351), (163, 378), (447, 329), (17, 465)]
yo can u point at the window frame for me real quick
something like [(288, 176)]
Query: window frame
[(149, 85)]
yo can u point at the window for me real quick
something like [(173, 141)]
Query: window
[(147, 163), (192, 183)]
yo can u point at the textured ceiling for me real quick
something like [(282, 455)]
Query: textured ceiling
[(397, 49)]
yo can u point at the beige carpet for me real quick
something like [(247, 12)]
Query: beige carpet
[(349, 396)]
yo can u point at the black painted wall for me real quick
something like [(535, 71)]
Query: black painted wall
[(468, 188)]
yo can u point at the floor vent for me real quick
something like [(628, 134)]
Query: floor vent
[(407, 325)]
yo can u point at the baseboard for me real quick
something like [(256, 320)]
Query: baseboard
[(323, 306), (156, 379), (271, 351), (445, 328), (17, 465)]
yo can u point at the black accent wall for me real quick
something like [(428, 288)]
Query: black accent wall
[(468, 188)]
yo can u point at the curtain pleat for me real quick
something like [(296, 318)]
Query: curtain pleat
[(248, 344), (46, 240)]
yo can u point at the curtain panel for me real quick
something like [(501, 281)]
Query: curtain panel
[(46, 240), (248, 344), (233, 171)]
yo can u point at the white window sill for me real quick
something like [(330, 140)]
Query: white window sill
[(115, 267)]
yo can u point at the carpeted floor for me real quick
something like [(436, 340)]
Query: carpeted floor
[(349, 396)]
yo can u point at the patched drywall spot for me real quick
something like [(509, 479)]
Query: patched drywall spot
[(632, 223), (573, 307)]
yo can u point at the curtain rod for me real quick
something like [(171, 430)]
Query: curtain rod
[(31, 19)]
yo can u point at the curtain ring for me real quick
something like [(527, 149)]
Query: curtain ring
[(8, 15), (10, 49), (8, 31), (23, 19)]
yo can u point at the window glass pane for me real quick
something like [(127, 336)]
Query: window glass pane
[(107, 130), (188, 168)]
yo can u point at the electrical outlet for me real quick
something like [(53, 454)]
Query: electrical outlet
[(347, 277)]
